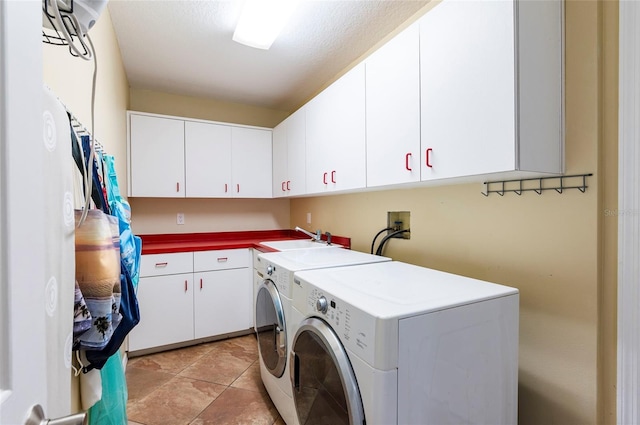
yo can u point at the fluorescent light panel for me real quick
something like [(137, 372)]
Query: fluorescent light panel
[(262, 20)]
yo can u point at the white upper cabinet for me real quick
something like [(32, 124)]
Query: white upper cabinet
[(296, 153), (491, 88), (280, 158), (156, 157), (174, 157), (393, 111), (289, 167), (251, 162), (335, 135), (208, 160)]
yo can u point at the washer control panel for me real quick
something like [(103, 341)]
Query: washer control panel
[(355, 328)]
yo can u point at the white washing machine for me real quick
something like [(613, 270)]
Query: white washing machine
[(275, 325), (394, 343)]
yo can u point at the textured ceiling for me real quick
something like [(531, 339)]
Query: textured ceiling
[(185, 47)]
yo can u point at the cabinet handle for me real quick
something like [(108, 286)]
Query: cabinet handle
[(283, 189), (201, 284), (407, 157), (225, 188), (222, 259), (238, 187), (333, 176), (288, 181), (428, 159), (324, 178), (177, 186), (161, 264), (185, 286)]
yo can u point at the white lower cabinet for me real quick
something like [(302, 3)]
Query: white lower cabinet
[(222, 302), (192, 295), (223, 294), (166, 311)]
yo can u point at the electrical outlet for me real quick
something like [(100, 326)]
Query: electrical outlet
[(309, 218), (180, 218), (399, 220)]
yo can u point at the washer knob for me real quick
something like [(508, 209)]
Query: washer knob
[(269, 269), (322, 305)]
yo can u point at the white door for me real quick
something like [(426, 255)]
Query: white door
[(335, 135), (207, 150), (296, 183), (393, 111), (156, 164), (279, 154), (251, 162), (23, 366), (467, 71)]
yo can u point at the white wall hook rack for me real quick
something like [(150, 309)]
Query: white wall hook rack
[(537, 184)]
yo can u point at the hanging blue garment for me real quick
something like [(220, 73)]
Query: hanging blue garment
[(96, 192), (130, 245)]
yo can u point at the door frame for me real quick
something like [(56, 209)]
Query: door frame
[(23, 377), (628, 379)]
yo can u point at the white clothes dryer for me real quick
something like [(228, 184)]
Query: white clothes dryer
[(394, 343), (273, 314)]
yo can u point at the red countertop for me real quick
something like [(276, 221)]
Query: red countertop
[(187, 242)]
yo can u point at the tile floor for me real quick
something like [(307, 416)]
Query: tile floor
[(214, 383)]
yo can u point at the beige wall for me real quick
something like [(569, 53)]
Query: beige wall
[(205, 109), (155, 215), (608, 176), (548, 246)]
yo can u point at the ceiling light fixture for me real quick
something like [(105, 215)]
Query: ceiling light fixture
[(261, 21)]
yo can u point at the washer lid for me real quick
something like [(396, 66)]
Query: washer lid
[(396, 290), (307, 259)]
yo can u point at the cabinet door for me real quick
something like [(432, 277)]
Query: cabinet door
[(280, 172), (166, 311), (335, 134), (467, 57), (296, 183), (223, 302), (208, 160), (156, 157), (251, 162), (393, 111)]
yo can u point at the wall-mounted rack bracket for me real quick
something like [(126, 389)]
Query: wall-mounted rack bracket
[(537, 184)]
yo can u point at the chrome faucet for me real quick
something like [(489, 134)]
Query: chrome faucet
[(316, 237)]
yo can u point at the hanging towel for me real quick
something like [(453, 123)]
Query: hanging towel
[(98, 275), (81, 314)]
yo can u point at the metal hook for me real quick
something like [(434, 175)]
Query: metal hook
[(486, 188), (518, 192), (561, 186), (539, 191), (584, 184)]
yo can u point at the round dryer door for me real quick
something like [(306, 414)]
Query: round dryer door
[(270, 328), (325, 390)]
